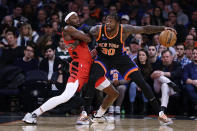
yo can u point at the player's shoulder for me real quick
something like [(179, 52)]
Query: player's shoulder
[(95, 30), (126, 26), (68, 28), (95, 27)]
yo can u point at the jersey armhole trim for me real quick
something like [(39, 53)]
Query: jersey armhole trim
[(99, 36), (121, 30)]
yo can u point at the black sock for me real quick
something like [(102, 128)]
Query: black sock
[(87, 104), (163, 108), (34, 115), (155, 105)]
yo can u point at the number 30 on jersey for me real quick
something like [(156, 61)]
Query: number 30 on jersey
[(109, 52)]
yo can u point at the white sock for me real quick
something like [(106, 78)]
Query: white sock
[(161, 113), (100, 112)]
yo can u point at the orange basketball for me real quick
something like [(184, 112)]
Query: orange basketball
[(167, 38)]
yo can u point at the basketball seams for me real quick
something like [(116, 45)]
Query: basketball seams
[(167, 38)]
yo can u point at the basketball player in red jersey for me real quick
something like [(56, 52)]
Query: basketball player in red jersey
[(79, 68), (111, 54)]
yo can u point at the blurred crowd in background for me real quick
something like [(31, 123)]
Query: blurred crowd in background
[(34, 60)]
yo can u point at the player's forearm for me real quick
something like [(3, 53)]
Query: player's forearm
[(150, 29), (189, 81), (123, 82)]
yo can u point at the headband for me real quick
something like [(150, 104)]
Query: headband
[(69, 15)]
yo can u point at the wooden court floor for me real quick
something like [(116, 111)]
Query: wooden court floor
[(121, 124)]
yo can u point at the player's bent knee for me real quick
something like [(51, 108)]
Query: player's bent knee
[(70, 90), (102, 83)]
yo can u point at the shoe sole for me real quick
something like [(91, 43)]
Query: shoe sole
[(165, 124), (29, 122), (81, 123), (97, 121)]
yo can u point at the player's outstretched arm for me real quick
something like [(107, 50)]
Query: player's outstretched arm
[(149, 29), (77, 34)]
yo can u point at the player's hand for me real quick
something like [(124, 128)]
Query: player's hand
[(194, 82), (94, 53), (171, 29), (116, 83)]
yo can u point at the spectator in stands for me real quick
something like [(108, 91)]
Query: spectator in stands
[(152, 53), (112, 9), (104, 6), (156, 41), (133, 17), (3, 41), (56, 28), (134, 47), (146, 19), (172, 22), (12, 50), (29, 13), (29, 62), (47, 29), (55, 18), (192, 31), (73, 7), (41, 20), (190, 78), (193, 22), (120, 84), (85, 17), (146, 69), (125, 19), (8, 20), (182, 18), (157, 18), (36, 4), (181, 58), (17, 14), (188, 52), (160, 49), (26, 35), (144, 5), (4, 8), (62, 51), (53, 8), (165, 7), (165, 75), (50, 64), (95, 10), (189, 41), (42, 42)]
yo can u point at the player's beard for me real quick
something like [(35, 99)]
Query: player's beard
[(75, 25)]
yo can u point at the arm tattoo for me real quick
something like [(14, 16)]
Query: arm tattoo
[(150, 29)]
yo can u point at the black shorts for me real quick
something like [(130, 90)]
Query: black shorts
[(102, 65)]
